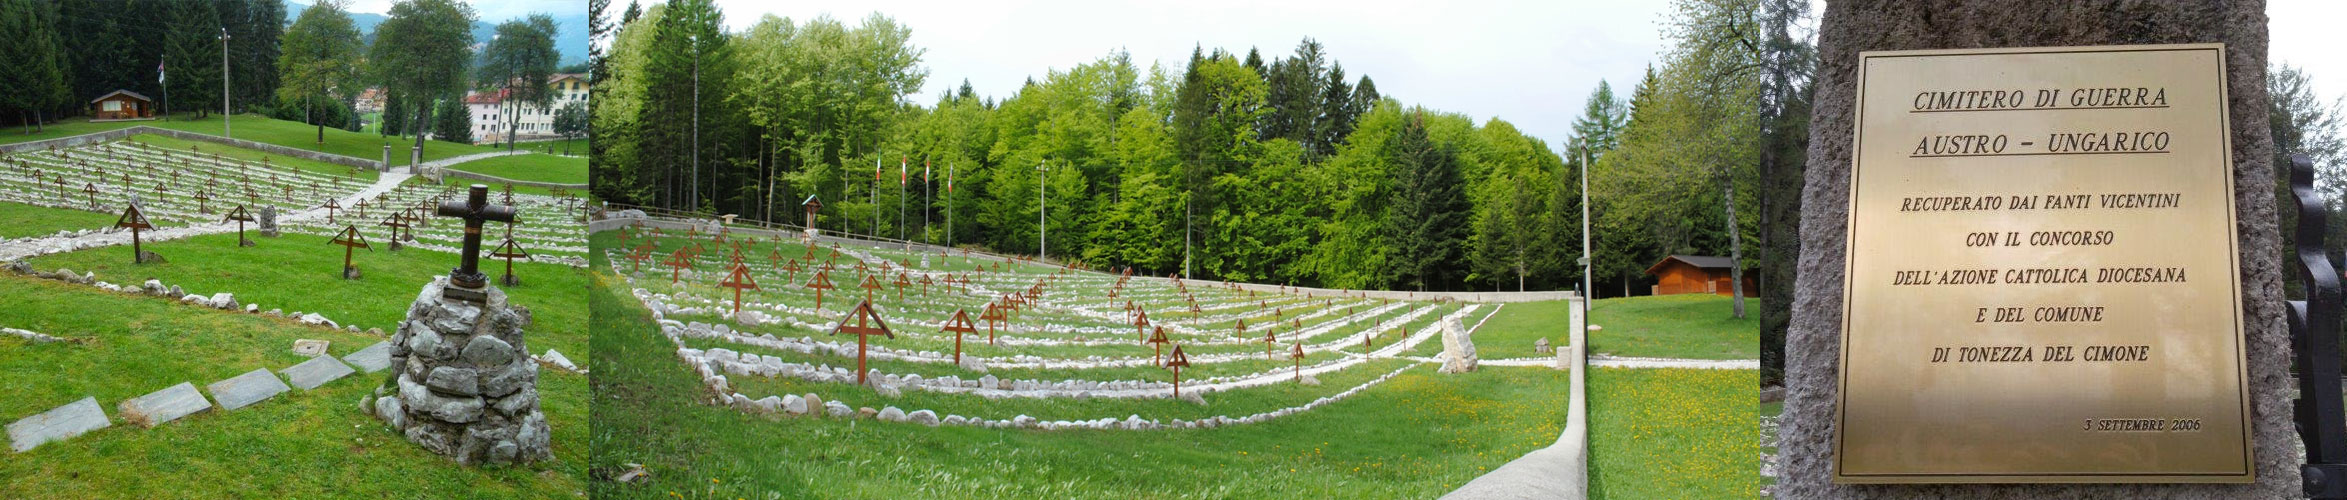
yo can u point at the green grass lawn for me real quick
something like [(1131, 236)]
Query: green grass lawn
[(262, 129), (302, 272), (301, 444), (532, 167), (1510, 332), (649, 409), (1658, 433), (1693, 326), (302, 164), (576, 147), (18, 220)]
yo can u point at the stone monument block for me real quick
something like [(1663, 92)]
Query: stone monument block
[(316, 372), (459, 386)]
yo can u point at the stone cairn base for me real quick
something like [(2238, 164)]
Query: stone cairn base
[(462, 383)]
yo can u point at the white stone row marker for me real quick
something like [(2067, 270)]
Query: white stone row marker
[(61, 423)]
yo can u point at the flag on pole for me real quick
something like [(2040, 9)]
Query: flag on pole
[(948, 177), (876, 169), (159, 74), (924, 171), (901, 175)]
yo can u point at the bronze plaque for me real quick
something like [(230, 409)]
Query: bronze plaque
[(2043, 284)]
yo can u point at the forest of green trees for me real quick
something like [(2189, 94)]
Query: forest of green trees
[(1273, 166), (310, 68)]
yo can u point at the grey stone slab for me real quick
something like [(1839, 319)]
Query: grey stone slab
[(244, 390), (61, 423), (371, 359), (159, 407), (316, 372)]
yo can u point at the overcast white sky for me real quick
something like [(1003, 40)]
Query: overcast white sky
[(1531, 63)]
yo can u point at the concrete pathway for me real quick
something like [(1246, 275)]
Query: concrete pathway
[(1630, 362), (1560, 471), (445, 162)]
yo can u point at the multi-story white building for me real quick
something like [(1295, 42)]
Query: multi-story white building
[(490, 110)]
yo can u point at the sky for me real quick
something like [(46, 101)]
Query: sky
[(1531, 63)]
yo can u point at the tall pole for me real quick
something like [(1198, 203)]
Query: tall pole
[(694, 198), (1588, 263), (1042, 231), (224, 119), (900, 197), (1185, 236), (949, 205)]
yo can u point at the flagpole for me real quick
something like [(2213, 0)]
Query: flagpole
[(224, 117)]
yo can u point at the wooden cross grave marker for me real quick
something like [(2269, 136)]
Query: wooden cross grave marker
[(1176, 362), (351, 241), (397, 221), (1141, 324), (1158, 341), (509, 250), (992, 316), (901, 283), (241, 217), (1298, 356), (959, 324), (677, 262), (642, 252), (135, 221), (821, 282), (870, 285), (739, 280), (925, 286), (868, 323), (92, 189), (203, 201), (1270, 342), (330, 206)]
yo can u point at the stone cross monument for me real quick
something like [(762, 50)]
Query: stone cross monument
[(462, 382)]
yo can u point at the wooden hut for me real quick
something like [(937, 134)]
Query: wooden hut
[(1679, 274), (122, 105)]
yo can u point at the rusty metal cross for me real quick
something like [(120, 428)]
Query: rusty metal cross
[(466, 279)]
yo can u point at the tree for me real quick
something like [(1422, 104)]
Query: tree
[(32, 77), (395, 121), (1788, 61), (519, 61), (452, 122), (421, 52), (192, 56), (571, 122), (1429, 210), (317, 59), (255, 29)]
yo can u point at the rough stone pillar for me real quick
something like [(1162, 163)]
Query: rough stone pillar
[(1812, 344), (386, 167), (463, 384)]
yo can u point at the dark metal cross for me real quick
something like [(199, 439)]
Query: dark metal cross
[(351, 241), (466, 280), (135, 221), (241, 217)]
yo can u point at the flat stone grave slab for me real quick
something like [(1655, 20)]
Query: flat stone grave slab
[(159, 407), (316, 372), (244, 390), (371, 359), (61, 423)]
